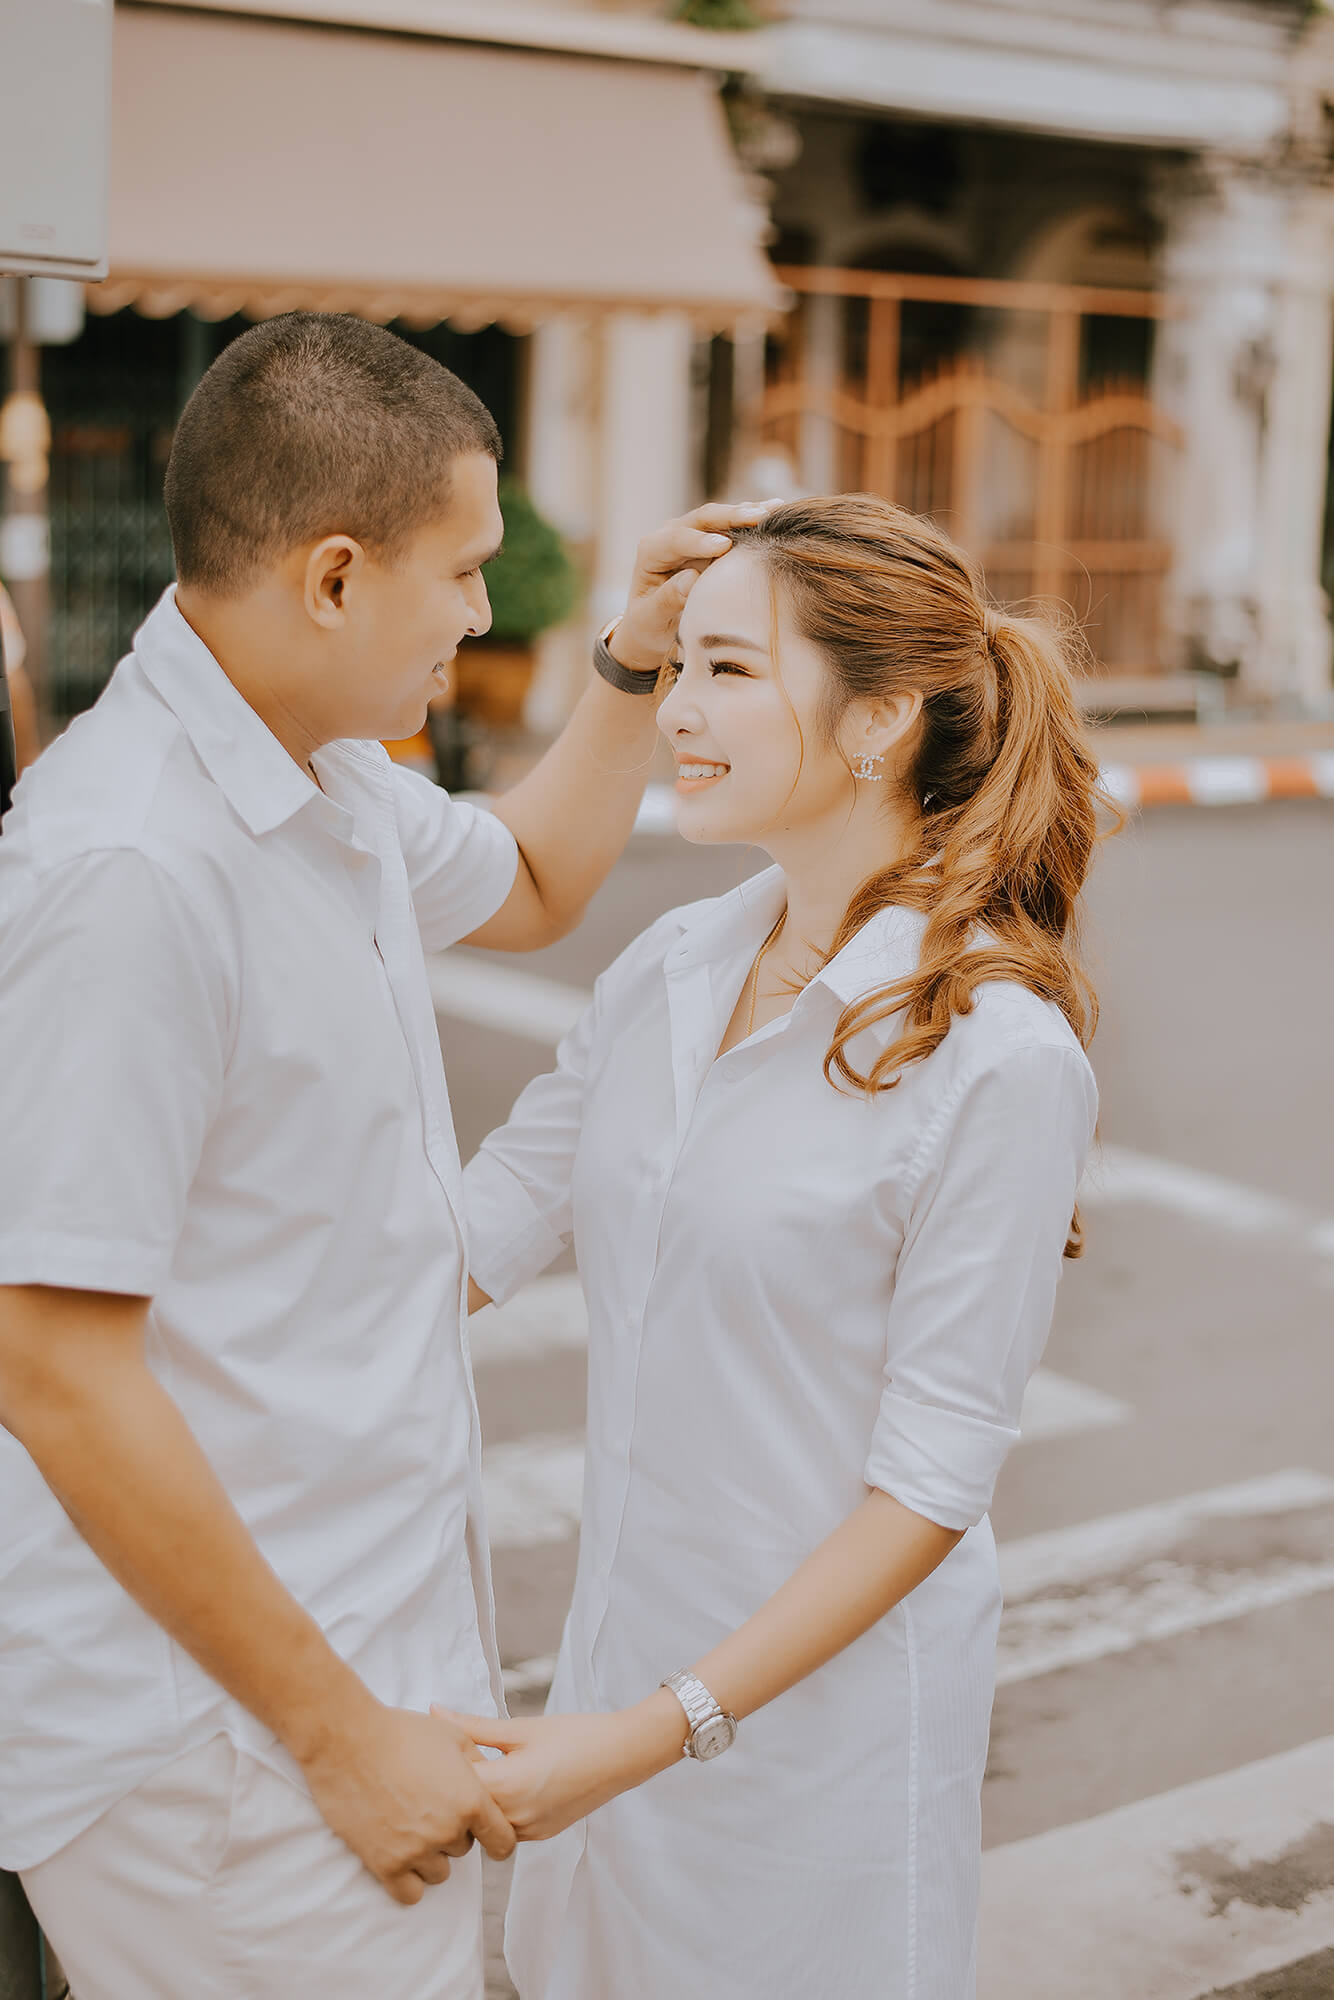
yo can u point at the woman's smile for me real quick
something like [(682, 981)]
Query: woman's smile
[(694, 773)]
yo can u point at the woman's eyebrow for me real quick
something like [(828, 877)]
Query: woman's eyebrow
[(711, 640)]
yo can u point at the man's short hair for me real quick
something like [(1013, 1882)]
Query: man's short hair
[(307, 425)]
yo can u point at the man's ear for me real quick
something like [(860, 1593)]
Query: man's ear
[(329, 567)]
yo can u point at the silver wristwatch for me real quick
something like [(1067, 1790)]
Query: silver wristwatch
[(712, 1730)]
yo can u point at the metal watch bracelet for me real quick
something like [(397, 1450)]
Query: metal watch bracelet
[(712, 1730), (629, 680)]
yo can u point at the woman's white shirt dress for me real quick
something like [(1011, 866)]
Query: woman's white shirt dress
[(793, 1292)]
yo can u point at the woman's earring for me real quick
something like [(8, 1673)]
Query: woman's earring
[(866, 768)]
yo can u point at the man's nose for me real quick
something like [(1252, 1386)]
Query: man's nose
[(479, 609)]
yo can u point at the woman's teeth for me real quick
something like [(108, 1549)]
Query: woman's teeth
[(703, 770)]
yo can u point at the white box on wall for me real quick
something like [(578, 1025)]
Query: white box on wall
[(55, 118)]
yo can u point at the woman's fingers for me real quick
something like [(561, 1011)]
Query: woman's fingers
[(493, 1732)]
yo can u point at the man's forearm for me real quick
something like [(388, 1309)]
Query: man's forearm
[(120, 1458), (575, 810), (573, 814)]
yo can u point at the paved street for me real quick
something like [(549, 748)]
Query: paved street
[(1160, 1802)]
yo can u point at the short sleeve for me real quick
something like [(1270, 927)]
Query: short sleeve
[(113, 1024), (461, 860), (976, 1279)]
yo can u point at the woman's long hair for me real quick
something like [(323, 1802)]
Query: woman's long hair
[(1004, 784)]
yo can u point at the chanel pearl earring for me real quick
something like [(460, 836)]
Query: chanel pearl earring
[(865, 767)]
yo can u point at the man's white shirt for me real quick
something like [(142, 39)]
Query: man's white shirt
[(223, 1091)]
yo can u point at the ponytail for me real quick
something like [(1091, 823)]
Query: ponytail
[(1004, 779)]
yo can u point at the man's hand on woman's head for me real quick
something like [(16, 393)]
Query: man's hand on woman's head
[(666, 565)]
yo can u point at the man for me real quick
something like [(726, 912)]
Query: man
[(241, 1546), (23, 707)]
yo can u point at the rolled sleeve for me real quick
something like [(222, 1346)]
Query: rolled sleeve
[(461, 860), (976, 1279), (114, 1028), (517, 1187)]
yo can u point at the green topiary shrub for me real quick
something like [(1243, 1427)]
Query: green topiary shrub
[(532, 584), (718, 14)]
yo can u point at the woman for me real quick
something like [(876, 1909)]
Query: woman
[(817, 1144)]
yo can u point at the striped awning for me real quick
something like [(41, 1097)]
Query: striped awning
[(259, 165)]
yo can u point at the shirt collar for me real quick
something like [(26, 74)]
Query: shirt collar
[(240, 753), (736, 922), (885, 950)]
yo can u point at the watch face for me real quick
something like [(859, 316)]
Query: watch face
[(712, 1738)]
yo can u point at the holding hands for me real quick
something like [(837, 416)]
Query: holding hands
[(403, 1791), (558, 1768)]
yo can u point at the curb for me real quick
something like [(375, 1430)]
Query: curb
[(1191, 781), (1221, 781)]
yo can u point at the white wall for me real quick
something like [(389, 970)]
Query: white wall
[(609, 458)]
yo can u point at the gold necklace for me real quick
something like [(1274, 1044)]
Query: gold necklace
[(755, 974)]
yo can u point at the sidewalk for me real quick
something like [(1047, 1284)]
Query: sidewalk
[(1220, 1890)]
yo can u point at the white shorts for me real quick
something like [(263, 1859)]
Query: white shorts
[(218, 1880)]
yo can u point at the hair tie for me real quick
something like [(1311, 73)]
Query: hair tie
[(991, 624)]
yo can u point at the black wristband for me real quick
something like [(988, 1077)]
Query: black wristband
[(629, 680)]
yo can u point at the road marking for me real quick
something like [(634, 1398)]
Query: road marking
[(534, 1485), (1057, 1406), (549, 1317), (530, 1676), (534, 1489), (1072, 1595), (1169, 1898), (1105, 1586), (468, 987), (1119, 1174)]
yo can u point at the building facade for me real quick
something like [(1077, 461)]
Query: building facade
[(1059, 271), (1118, 221)]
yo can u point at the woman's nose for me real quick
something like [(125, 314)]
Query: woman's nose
[(677, 713)]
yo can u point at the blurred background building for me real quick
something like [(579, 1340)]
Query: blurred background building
[(1058, 271)]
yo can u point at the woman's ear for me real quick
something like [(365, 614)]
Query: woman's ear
[(881, 726)]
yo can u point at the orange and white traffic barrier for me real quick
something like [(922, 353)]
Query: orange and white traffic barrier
[(1221, 781)]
